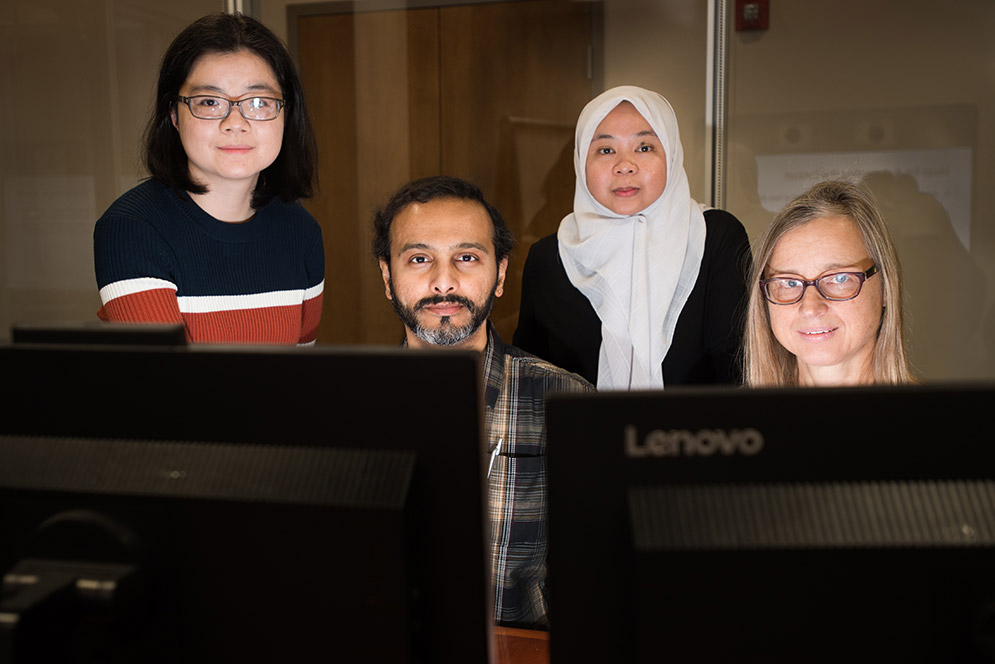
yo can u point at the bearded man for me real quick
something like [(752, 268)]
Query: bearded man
[(443, 253)]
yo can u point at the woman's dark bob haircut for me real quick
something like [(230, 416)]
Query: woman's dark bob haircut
[(291, 175)]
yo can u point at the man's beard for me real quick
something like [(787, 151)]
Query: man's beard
[(446, 334)]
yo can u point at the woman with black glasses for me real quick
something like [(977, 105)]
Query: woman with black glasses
[(216, 238), (825, 304)]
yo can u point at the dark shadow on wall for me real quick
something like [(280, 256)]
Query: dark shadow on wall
[(541, 192), (945, 289)]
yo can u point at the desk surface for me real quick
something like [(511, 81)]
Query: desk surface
[(520, 646)]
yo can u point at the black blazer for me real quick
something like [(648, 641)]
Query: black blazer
[(558, 323)]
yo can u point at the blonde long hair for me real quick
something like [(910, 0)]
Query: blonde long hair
[(765, 361)]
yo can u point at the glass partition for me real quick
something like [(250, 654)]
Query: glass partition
[(901, 94), (79, 77)]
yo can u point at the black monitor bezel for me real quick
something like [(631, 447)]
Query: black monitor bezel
[(872, 433), (367, 397)]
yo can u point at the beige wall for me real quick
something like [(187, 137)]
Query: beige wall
[(904, 92), (78, 77)]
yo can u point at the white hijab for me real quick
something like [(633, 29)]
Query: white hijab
[(636, 271)]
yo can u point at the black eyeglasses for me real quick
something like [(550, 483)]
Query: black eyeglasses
[(837, 287), (209, 107)]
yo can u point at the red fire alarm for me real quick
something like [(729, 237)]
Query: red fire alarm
[(752, 15)]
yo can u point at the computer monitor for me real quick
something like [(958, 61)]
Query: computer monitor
[(99, 333), (773, 525), (244, 504)]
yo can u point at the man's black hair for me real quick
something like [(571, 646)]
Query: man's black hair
[(429, 189)]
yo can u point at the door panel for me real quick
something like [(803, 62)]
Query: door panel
[(513, 84), (489, 92), (355, 69)]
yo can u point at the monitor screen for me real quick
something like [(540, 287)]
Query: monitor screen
[(242, 504), (778, 525)]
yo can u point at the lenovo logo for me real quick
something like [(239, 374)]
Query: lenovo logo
[(681, 442)]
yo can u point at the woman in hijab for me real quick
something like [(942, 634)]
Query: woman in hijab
[(639, 287)]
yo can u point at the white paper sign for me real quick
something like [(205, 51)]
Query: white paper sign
[(943, 174)]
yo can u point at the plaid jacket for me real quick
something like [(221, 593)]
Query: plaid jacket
[(515, 385)]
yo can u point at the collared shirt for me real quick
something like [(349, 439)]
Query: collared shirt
[(515, 387)]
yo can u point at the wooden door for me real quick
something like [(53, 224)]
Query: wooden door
[(489, 92)]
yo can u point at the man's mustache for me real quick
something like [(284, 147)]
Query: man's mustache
[(446, 299)]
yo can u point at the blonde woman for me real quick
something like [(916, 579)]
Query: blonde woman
[(825, 305)]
